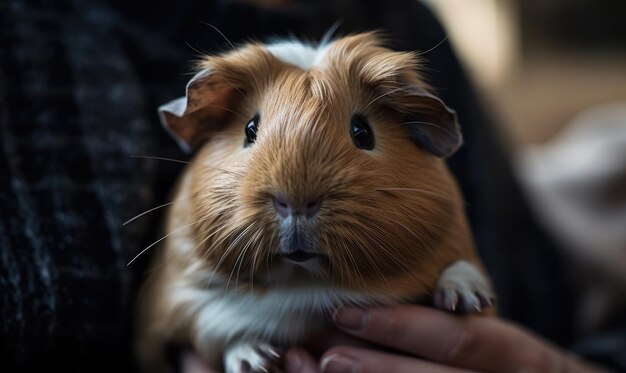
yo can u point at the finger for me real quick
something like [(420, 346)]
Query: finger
[(299, 361), (350, 359), (482, 343), (318, 344), (192, 363)]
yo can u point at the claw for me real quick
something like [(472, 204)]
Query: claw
[(248, 357), (485, 300), (462, 287), (269, 350)]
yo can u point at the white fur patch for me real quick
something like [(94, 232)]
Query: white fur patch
[(297, 53), (282, 315), (461, 286), (250, 358)]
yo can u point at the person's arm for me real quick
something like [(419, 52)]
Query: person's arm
[(429, 340)]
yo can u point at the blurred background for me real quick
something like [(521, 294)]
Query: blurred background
[(539, 86), (553, 74), (540, 63)]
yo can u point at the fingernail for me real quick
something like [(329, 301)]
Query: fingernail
[(294, 361), (350, 318), (338, 364)]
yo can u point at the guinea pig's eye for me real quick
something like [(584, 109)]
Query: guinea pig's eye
[(251, 130), (362, 134)]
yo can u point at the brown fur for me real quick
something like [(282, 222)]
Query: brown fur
[(392, 218)]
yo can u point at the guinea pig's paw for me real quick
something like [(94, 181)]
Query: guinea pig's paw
[(251, 357), (463, 288)]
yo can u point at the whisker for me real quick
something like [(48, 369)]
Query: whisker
[(416, 190), (327, 243), (226, 253), (242, 255), (205, 240), (231, 247), (179, 161), (237, 88), (254, 258), (354, 265), (427, 222), (433, 125), (383, 95), (147, 212), (378, 129), (224, 170), (395, 259), (216, 244), (417, 237), (164, 262), (435, 47), (200, 53), (212, 248), (159, 158), (230, 111), (343, 263), (221, 33), (219, 262), (162, 238), (267, 260)]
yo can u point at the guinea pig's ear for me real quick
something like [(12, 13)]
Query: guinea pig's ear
[(432, 124), (204, 109)]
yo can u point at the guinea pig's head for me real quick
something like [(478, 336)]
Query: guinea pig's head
[(323, 160)]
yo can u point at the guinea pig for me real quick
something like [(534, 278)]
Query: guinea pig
[(318, 180)]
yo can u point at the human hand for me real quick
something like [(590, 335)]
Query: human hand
[(429, 340)]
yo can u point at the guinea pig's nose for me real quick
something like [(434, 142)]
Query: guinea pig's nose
[(308, 208)]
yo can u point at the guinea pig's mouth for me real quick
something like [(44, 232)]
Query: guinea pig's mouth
[(302, 258), (299, 256), (297, 240), (298, 265)]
